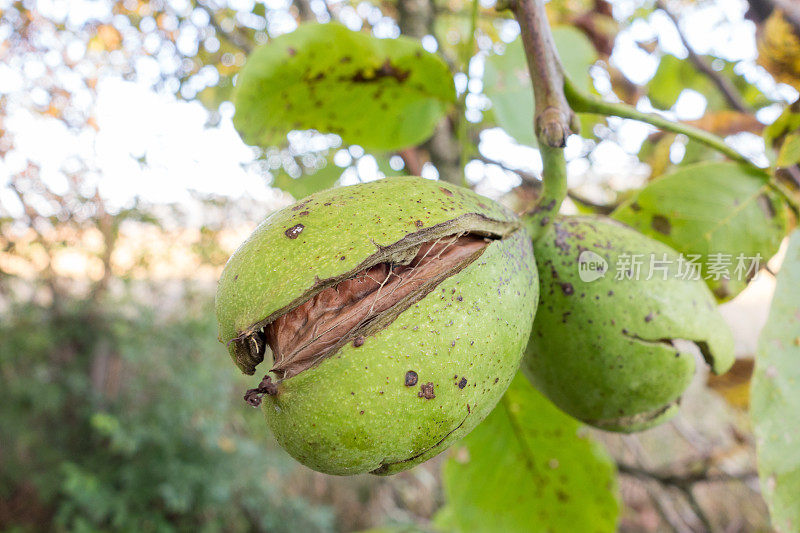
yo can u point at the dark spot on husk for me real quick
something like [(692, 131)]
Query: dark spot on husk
[(567, 289), (426, 391), (635, 207), (303, 213), (295, 231), (649, 317), (291, 51), (661, 224), (418, 223), (411, 378), (358, 341), (253, 396), (462, 383), (562, 239), (447, 192)]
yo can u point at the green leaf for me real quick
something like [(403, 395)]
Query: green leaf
[(528, 467), (790, 151), (508, 85), (775, 397), (712, 208), (379, 93), (674, 75), (308, 183)]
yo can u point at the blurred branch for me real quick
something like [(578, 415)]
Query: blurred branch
[(685, 483), (725, 86), (535, 183), (703, 475), (108, 227), (33, 216), (304, 10), (662, 502), (231, 36), (603, 209), (788, 195), (416, 18), (411, 160), (467, 52)]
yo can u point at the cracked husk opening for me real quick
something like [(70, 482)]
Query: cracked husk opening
[(360, 305), (637, 422)]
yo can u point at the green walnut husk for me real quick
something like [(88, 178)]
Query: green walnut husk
[(402, 380), (602, 343)]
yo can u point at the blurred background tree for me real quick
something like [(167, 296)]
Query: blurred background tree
[(119, 410)]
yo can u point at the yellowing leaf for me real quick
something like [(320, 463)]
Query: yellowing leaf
[(779, 49), (790, 151), (106, 39), (734, 385)]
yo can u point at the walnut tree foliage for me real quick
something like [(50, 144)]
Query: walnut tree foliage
[(410, 87)]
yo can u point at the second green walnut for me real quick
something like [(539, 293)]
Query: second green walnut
[(613, 304), (392, 316)]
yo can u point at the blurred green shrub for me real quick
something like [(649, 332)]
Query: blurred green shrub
[(117, 417)]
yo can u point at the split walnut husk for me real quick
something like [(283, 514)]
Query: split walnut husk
[(392, 316)]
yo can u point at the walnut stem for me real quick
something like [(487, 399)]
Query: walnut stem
[(553, 120)]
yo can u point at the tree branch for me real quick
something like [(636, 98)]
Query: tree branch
[(725, 86), (304, 10), (685, 483), (584, 103), (553, 120), (232, 37), (683, 480), (535, 183), (416, 19)]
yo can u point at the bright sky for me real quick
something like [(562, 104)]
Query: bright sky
[(137, 124)]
